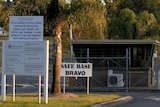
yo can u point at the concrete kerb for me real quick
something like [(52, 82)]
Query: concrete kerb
[(114, 102)]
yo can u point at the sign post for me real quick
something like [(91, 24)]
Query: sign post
[(3, 87), (14, 83), (76, 70), (39, 89), (87, 85), (64, 85)]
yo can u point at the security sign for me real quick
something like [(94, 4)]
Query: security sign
[(76, 70)]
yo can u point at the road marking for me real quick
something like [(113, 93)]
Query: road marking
[(153, 98)]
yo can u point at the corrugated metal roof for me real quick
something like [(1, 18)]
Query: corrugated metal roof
[(115, 42)]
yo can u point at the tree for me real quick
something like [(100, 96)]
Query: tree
[(22, 8), (123, 25), (112, 19), (86, 16), (88, 19), (126, 20), (53, 9), (147, 20), (135, 5), (58, 33), (5, 11), (146, 25), (53, 14)]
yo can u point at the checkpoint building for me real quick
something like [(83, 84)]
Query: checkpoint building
[(118, 63)]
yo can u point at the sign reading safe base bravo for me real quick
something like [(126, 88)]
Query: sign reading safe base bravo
[(76, 70)]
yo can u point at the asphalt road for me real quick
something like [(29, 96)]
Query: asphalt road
[(24, 84), (142, 99)]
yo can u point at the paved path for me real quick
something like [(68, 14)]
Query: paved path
[(142, 99)]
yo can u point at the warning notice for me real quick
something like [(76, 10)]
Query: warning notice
[(26, 28)]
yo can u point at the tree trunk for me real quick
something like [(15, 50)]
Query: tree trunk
[(53, 77), (57, 84), (54, 62)]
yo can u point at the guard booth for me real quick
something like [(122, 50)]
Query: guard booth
[(118, 63)]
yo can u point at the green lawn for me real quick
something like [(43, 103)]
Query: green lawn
[(82, 100)]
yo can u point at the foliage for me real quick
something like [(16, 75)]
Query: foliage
[(134, 19), (22, 8), (5, 12), (146, 25), (125, 24), (86, 16), (88, 19), (135, 5)]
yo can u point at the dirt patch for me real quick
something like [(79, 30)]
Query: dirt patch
[(63, 95)]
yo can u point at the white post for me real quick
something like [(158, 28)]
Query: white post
[(87, 85), (45, 91), (3, 87), (39, 89), (3, 82), (13, 91), (64, 84)]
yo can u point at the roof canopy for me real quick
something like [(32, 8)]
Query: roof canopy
[(156, 42)]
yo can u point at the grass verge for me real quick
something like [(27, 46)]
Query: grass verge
[(82, 100)]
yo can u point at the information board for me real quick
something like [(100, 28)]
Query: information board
[(26, 28), (25, 58), (25, 53)]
